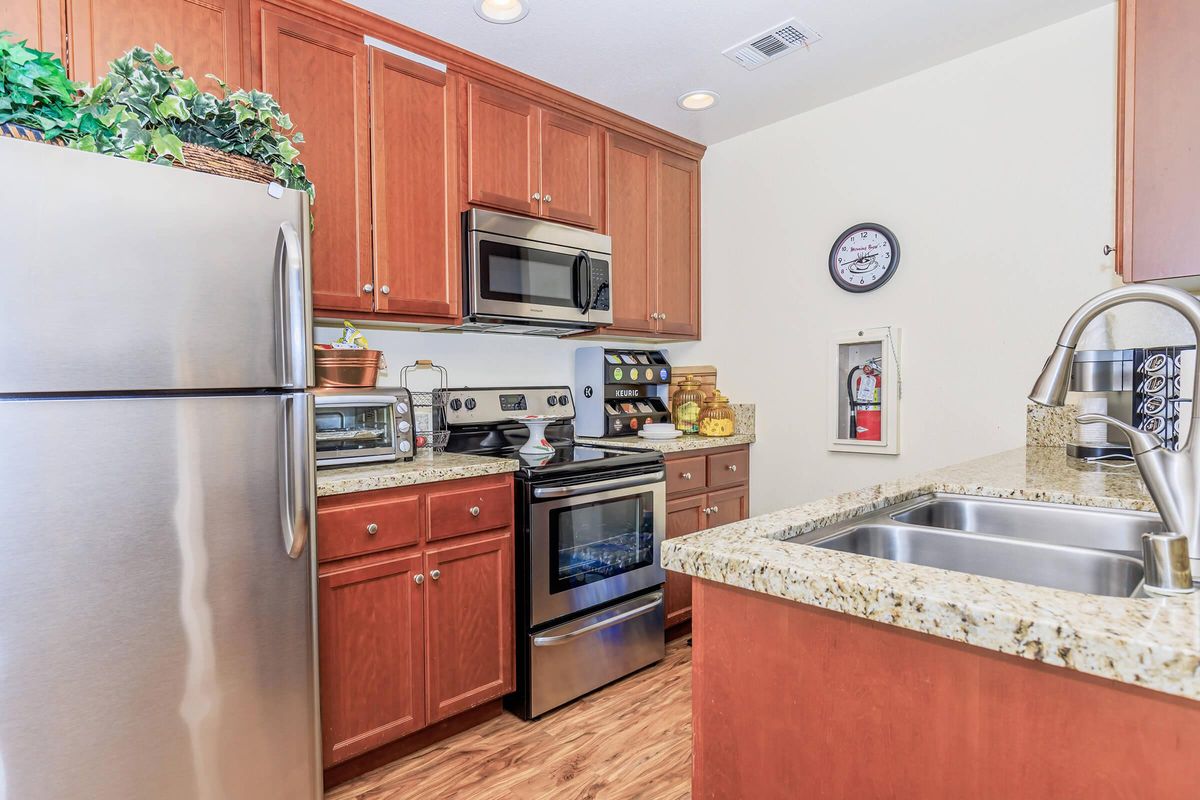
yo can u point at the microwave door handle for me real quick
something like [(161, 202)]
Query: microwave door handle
[(577, 265), (586, 260)]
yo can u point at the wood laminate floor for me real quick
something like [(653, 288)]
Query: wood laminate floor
[(631, 740)]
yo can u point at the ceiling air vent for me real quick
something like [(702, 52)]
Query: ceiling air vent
[(773, 43)]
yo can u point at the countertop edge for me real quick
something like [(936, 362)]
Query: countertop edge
[(372, 477)]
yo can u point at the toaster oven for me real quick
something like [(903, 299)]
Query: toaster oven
[(363, 426)]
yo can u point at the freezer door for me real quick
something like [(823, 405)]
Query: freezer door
[(120, 276), (156, 600)]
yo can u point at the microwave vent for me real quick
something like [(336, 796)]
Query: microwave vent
[(772, 44)]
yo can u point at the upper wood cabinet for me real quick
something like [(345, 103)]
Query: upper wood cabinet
[(524, 158), (414, 183), (318, 74), (653, 199), (39, 22), (1158, 197), (205, 36)]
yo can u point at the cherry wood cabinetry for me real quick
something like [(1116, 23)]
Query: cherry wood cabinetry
[(704, 489), (205, 36), (39, 22), (1158, 192), (653, 199), (414, 182), (318, 74), (415, 609), (524, 158)]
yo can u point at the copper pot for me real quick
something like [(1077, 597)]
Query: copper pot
[(347, 368)]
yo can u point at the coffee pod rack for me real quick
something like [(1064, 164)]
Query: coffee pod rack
[(618, 391)]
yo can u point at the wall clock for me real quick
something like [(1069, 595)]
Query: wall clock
[(864, 257)]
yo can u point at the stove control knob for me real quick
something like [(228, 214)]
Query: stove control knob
[(403, 426), (471, 404), (563, 400), (405, 446), (552, 400), (455, 404), (401, 408)]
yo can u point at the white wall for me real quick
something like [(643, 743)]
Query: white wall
[(997, 173)]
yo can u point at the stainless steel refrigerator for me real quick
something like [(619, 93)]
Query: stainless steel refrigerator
[(157, 609)]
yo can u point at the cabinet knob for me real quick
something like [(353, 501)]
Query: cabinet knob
[(687, 476), (548, 198), (731, 467), (1109, 250), (372, 529), (715, 509), (654, 315), (368, 288), (418, 578), (474, 511), (536, 196), (435, 573), (707, 510), (662, 315), (385, 289)]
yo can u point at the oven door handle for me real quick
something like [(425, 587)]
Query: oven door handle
[(598, 486), (563, 638)]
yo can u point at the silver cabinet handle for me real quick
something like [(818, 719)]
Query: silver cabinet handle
[(474, 511), (548, 198), (662, 315), (731, 467), (1109, 250), (706, 510), (656, 600), (372, 529), (368, 288), (418, 579), (687, 476), (654, 315), (295, 501), (385, 289), (435, 573), (715, 509), (537, 196)]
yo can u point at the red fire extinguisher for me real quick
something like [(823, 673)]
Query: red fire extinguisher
[(864, 390)]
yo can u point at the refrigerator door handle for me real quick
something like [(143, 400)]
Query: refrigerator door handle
[(296, 304), (296, 464)]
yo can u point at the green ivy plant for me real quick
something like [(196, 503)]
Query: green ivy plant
[(36, 93), (155, 108)]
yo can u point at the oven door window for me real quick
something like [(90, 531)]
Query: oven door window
[(518, 274), (592, 542), (353, 429)]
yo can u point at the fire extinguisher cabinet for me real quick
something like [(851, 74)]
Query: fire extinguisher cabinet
[(864, 394)]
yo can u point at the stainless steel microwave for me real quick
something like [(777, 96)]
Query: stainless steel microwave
[(527, 276)]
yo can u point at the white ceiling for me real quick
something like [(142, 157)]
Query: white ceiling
[(639, 55)]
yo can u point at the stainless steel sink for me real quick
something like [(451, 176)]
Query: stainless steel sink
[(1061, 547)]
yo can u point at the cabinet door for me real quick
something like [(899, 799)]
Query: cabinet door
[(632, 218), (204, 36), (372, 654), (502, 149), (728, 505), (1159, 188), (570, 164), (683, 517), (38, 22), (319, 76), (469, 624), (678, 245), (414, 180)]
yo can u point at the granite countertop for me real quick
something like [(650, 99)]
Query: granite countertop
[(426, 467), (1148, 642), (688, 442)]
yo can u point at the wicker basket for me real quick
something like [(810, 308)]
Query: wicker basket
[(206, 159)]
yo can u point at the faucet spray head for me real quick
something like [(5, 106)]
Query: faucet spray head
[(1050, 389)]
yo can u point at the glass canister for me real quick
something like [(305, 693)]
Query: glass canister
[(716, 417), (686, 404)]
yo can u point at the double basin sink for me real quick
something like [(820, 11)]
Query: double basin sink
[(1089, 550)]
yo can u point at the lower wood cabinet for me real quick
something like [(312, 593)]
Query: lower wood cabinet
[(412, 629), (703, 491)]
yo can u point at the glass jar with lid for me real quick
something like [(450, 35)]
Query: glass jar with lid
[(716, 417), (686, 404)]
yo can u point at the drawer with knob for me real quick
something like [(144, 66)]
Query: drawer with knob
[(729, 469), (469, 510), (687, 474), (351, 528)]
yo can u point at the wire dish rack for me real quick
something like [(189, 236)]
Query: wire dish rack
[(429, 404)]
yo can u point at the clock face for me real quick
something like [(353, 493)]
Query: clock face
[(864, 257)]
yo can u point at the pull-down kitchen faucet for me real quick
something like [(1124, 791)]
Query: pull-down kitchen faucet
[(1172, 476)]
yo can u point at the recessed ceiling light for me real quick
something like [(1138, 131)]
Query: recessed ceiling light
[(698, 100), (502, 11)]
